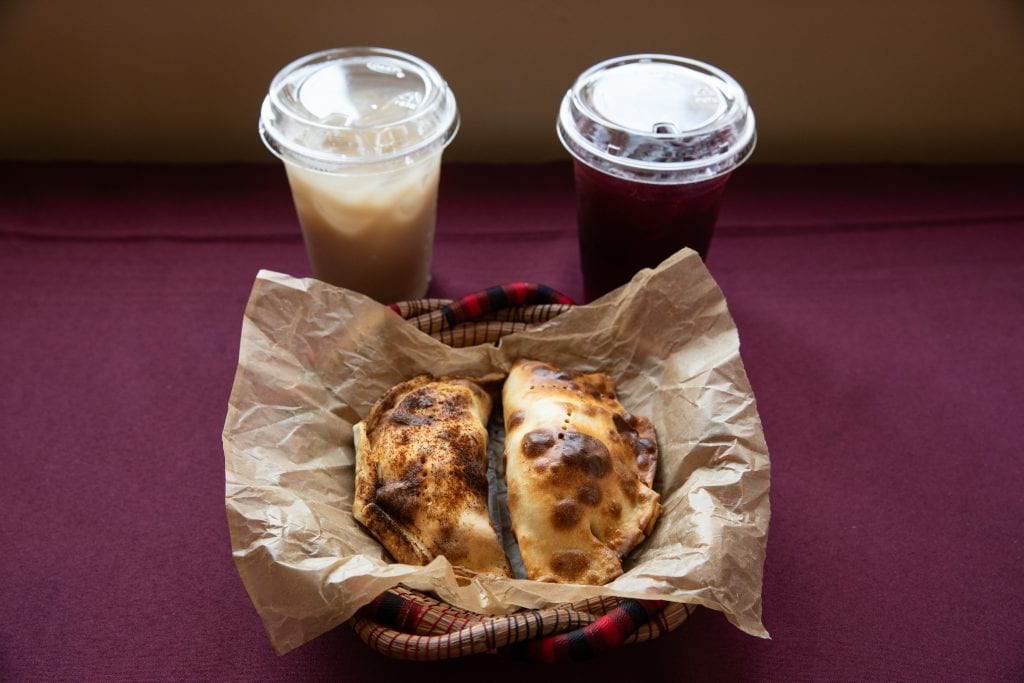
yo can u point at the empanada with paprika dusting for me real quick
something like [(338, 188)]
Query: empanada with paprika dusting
[(421, 473)]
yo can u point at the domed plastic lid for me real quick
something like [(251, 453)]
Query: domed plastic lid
[(333, 109), (657, 118)]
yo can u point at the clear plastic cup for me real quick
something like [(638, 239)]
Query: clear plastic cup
[(654, 139), (361, 131)]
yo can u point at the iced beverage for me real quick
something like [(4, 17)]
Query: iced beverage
[(371, 232), (625, 226), (361, 132), (654, 139)]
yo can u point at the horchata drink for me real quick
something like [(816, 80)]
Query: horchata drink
[(361, 132), (654, 139)]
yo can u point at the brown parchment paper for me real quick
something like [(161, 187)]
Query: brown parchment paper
[(313, 360)]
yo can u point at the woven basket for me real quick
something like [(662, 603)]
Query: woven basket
[(405, 624)]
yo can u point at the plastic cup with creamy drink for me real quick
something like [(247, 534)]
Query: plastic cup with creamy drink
[(654, 139), (361, 131)]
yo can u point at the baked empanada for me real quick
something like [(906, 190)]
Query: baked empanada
[(421, 473), (579, 470)]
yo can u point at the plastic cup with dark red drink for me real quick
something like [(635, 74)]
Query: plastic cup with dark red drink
[(654, 139)]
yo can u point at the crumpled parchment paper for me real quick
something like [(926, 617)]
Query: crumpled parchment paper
[(313, 360)]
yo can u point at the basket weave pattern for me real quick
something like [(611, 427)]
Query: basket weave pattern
[(406, 624), (486, 316)]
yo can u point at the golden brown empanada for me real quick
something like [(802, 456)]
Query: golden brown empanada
[(579, 470), (421, 473)]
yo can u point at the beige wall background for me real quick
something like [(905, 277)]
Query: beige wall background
[(830, 80)]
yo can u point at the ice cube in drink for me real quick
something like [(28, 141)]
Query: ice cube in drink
[(370, 231)]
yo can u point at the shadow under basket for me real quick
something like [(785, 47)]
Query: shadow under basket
[(406, 624)]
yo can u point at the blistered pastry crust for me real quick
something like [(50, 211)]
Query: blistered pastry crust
[(579, 470)]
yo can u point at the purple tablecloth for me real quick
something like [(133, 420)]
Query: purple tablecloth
[(880, 309)]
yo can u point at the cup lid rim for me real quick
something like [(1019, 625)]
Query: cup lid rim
[(737, 115), (431, 77), (439, 101)]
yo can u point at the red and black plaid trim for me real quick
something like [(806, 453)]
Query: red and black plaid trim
[(590, 641), (474, 305), (395, 611), (408, 625)]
